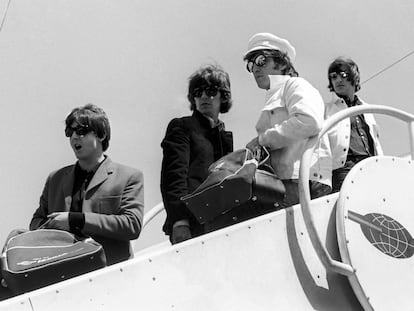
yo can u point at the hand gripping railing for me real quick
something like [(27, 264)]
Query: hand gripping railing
[(150, 215), (304, 192)]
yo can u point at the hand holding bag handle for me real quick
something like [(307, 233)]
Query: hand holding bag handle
[(229, 184)]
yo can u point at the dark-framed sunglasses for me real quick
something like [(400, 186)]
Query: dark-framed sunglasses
[(80, 130), (259, 60), (341, 74), (211, 91)]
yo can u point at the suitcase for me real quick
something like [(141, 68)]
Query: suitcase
[(34, 259)]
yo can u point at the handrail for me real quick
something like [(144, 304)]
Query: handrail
[(150, 215), (304, 192)]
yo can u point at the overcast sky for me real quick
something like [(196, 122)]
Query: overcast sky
[(133, 59)]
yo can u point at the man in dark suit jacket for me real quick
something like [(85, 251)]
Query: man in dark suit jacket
[(190, 145), (94, 197)]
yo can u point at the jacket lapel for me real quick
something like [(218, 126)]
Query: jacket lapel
[(67, 186), (104, 170)]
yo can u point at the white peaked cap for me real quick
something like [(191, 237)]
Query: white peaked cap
[(268, 41)]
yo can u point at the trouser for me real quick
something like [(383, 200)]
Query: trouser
[(338, 175), (317, 190)]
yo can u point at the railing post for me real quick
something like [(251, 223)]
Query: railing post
[(411, 136)]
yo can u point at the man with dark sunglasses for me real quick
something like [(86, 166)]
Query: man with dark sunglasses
[(191, 144), (95, 197), (293, 112), (355, 138)]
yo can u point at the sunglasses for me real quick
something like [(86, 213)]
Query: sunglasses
[(259, 60), (335, 75), (80, 130), (211, 91)]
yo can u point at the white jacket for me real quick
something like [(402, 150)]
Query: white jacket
[(293, 112), (340, 134)]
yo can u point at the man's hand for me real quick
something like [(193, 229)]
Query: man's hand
[(253, 144), (58, 220), (180, 233)]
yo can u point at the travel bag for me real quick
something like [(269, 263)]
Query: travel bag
[(239, 186), (34, 259)]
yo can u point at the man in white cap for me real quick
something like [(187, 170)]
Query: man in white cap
[(293, 112)]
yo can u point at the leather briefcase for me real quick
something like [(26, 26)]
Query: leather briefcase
[(236, 189)]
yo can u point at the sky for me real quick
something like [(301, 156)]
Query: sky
[(133, 59)]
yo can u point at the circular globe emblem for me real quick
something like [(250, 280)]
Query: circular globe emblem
[(386, 234)]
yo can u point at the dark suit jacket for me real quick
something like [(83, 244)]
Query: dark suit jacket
[(190, 146), (113, 205)]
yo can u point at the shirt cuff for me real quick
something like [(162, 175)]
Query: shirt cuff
[(183, 222), (76, 222)]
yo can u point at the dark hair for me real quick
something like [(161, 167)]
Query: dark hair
[(350, 67), (280, 58), (211, 75), (95, 118)]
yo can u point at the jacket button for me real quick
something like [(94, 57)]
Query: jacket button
[(315, 174), (272, 112), (344, 149)]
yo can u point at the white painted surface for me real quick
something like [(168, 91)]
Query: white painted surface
[(266, 263), (382, 185)]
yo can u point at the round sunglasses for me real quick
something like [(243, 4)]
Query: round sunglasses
[(80, 130), (336, 75), (259, 60), (211, 91)]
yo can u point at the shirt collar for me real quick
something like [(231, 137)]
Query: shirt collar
[(277, 81), (206, 119), (272, 98), (338, 100), (79, 170), (355, 102), (213, 124)]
